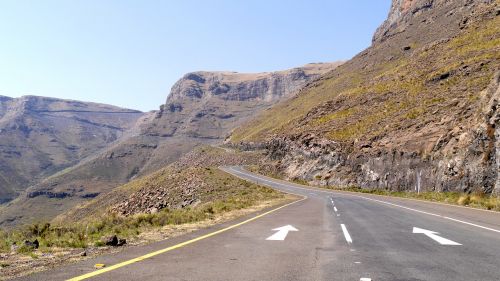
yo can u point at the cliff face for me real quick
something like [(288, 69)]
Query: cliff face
[(418, 109), (202, 108), (403, 13), (210, 104), (40, 136)]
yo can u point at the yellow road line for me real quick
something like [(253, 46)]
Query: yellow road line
[(152, 254)]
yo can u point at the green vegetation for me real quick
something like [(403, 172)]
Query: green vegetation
[(194, 176), (435, 76), (81, 235), (335, 115)]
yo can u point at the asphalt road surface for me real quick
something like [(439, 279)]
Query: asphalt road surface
[(327, 235)]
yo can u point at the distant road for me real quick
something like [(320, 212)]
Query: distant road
[(328, 235)]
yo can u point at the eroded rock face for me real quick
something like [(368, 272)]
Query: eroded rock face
[(367, 136), (207, 105), (402, 11), (464, 159)]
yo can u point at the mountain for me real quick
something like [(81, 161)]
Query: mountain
[(202, 108), (417, 109), (40, 136)]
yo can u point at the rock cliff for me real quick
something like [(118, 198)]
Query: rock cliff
[(416, 110), (202, 108)]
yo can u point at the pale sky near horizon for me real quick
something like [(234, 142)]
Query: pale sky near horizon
[(129, 53)]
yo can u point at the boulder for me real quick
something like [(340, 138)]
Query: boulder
[(114, 241), (33, 245)]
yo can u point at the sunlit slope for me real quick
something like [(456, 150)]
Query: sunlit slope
[(415, 78)]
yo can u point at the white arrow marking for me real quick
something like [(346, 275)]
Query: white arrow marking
[(433, 235), (282, 233)]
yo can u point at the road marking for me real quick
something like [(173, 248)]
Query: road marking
[(430, 214), (335, 209), (388, 203), (282, 233), (433, 235), (180, 245), (365, 279), (346, 234)]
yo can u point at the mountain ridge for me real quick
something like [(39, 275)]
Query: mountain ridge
[(202, 108), (40, 136)]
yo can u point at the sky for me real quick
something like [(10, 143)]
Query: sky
[(130, 53)]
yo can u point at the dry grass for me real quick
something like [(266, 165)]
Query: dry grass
[(412, 84), (82, 235)]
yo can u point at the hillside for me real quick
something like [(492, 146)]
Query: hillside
[(189, 194), (192, 180), (417, 109), (202, 108), (40, 136)]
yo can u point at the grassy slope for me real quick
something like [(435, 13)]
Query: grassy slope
[(218, 193), (386, 90)]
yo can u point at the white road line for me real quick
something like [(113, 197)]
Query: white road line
[(335, 209), (346, 234), (375, 200), (430, 214), (365, 279)]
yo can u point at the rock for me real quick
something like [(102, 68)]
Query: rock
[(114, 241), (110, 240), (32, 245), (121, 242)]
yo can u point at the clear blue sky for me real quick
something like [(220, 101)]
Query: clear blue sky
[(129, 53)]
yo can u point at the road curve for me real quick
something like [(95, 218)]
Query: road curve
[(328, 235)]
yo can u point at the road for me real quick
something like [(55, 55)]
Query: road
[(327, 235)]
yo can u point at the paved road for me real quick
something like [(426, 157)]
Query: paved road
[(341, 236)]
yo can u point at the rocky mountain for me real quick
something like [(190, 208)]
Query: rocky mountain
[(40, 136), (419, 109), (202, 108)]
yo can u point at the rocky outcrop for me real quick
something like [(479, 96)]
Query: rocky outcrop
[(207, 105), (464, 159), (402, 12), (416, 110)]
